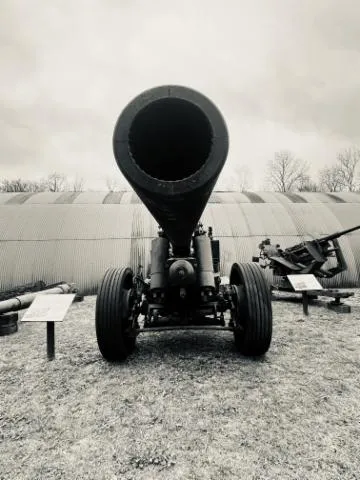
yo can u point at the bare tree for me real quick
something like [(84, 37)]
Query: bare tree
[(77, 185), (19, 185), (307, 185), (330, 179), (243, 178), (39, 186), (286, 172), (114, 185), (111, 184), (57, 182), (234, 179), (16, 185), (348, 161)]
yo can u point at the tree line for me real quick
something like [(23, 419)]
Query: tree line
[(287, 173), (55, 182), (284, 173)]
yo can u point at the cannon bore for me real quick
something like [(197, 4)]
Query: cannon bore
[(171, 143)]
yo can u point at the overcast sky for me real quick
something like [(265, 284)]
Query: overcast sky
[(285, 74)]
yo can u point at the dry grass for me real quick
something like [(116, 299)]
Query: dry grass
[(185, 405)]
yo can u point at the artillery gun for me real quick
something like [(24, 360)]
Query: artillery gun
[(307, 257), (171, 143)]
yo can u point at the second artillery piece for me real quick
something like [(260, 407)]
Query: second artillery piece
[(309, 257), (171, 143)]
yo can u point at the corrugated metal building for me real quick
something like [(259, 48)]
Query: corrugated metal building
[(75, 237)]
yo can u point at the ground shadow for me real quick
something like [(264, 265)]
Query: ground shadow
[(191, 346)]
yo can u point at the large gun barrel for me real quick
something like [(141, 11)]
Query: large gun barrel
[(171, 144), (333, 236)]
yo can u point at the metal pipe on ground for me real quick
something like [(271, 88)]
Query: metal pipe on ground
[(24, 301)]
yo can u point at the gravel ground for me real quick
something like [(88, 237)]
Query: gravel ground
[(185, 405)]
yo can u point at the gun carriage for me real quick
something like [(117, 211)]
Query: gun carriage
[(309, 257), (171, 144)]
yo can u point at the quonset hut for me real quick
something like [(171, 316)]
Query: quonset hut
[(75, 236)]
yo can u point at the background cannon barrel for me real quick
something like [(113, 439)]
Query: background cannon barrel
[(24, 301), (171, 144)]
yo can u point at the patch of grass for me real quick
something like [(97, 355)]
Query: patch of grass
[(185, 405)]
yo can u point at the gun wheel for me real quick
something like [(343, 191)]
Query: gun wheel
[(253, 312), (115, 336), (8, 323)]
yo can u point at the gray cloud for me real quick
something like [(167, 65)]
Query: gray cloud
[(284, 73)]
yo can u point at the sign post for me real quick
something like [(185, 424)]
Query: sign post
[(50, 340), (304, 283), (49, 308)]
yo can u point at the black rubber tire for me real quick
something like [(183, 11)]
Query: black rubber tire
[(8, 324), (112, 315), (254, 315)]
